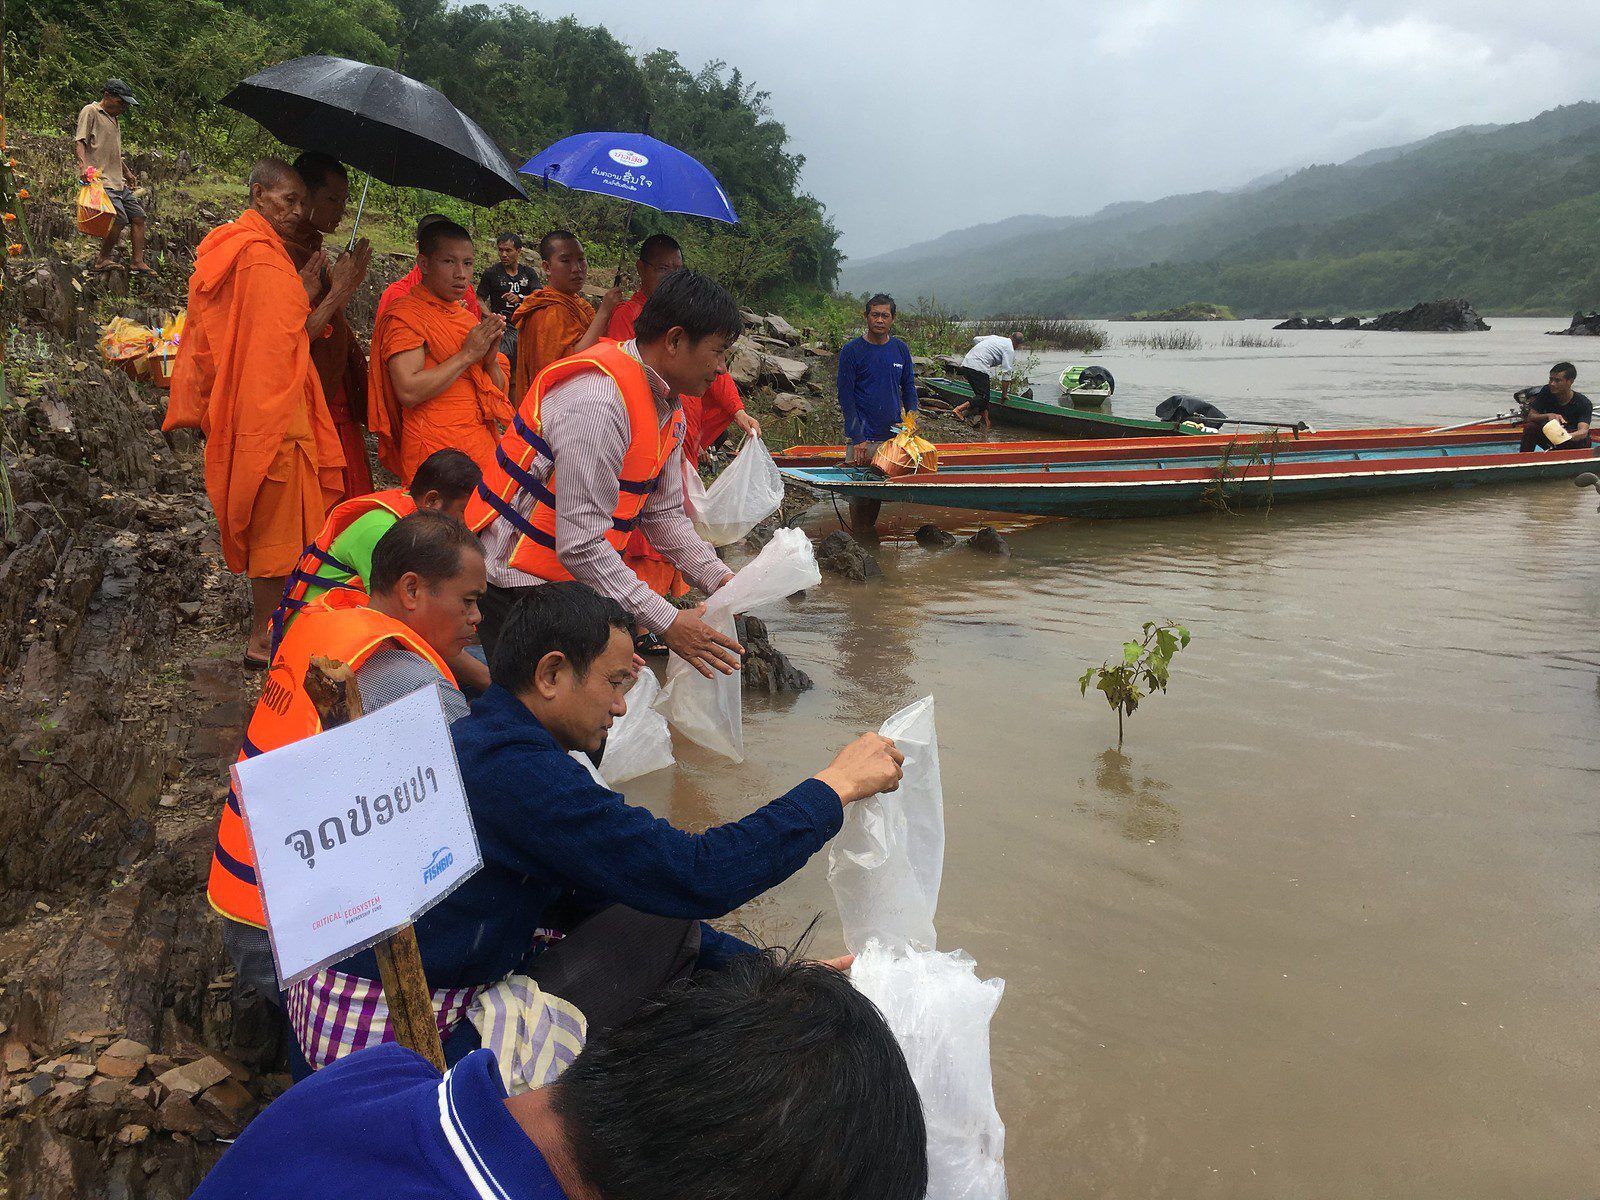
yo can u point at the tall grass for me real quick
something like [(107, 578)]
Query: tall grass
[(1165, 339), (1045, 333), (1251, 341)]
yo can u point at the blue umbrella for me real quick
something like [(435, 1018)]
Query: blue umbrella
[(637, 168)]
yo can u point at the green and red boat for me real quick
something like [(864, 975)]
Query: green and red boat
[(1024, 410), (1112, 479)]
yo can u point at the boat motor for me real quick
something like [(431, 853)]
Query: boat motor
[(1190, 409)]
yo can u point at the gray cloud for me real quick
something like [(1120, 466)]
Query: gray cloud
[(920, 118)]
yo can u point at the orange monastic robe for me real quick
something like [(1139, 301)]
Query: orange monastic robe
[(244, 378), (550, 324), (342, 369), (466, 416)]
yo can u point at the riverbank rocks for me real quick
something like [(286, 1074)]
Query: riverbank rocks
[(1583, 325), (988, 541), (782, 329), (843, 555), (791, 405), (1433, 316), (931, 537), (766, 668)]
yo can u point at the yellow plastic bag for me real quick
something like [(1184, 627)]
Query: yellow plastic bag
[(126, 344), (97, 216), (905, 453)]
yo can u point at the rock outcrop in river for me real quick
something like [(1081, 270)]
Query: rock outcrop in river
[(1432, 316), (1583, 325)]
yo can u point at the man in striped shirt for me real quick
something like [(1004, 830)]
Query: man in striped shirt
[(682, 338)]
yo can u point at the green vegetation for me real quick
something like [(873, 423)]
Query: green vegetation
[(1165, 339), (1193, 311), (1251, 341), (1045, 333), (526, 79), (1503, 215), (1144, 670)]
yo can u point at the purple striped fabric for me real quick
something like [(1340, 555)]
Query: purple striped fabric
[(334, 1014)]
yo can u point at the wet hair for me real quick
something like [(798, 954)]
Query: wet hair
[(658, 241), (566, 617), (697, 303), (548, 242), (509, 237), (769, 1070), (1565, 368), (270, 171), (442, 230), (881, 298), (451, 473), (315, 168), (428, 544)]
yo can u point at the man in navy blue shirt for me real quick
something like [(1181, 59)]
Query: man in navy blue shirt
[(876, 388), (562, 852), (771, 1078)]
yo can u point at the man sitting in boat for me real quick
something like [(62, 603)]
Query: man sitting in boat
[(1556, 402), (988, 355)]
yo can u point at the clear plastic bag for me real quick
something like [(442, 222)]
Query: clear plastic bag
[(711, 711), (886, 863), (939, 1011), (747, 492), (885, 868), (640, 742)]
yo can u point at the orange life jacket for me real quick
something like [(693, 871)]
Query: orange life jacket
[(319, 554), (338, 626), (650, 445)]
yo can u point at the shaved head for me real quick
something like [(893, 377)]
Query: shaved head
[(270, 171), (279, 194)]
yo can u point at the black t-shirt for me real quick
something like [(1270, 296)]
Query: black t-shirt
[(1576, 411), (504, 289)]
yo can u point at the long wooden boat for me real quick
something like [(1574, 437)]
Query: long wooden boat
[(1024, 410), (1165, 483)]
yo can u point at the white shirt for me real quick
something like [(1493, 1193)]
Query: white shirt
[(990, 352)]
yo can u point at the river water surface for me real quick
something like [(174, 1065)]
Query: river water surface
[(1327, 926)]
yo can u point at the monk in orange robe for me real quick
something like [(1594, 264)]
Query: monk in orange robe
[(556, 320), (438, 379), (707, 417), (414, 276), (244, 378), (335, 350)]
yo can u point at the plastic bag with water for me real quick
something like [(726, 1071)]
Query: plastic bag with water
[(640, 741), (747, 492), (885, 868), (711, 711)]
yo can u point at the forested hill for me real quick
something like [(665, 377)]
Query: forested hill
[(526, 79), (1503, 214)]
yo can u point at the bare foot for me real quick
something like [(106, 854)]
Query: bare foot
[(143, 268)]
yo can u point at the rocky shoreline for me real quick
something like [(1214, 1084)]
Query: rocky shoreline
[(1432, 316)]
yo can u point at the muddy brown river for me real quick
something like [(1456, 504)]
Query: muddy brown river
[(1327, 927)]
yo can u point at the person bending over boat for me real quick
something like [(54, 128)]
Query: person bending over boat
[(1557, 401), (877, 387), (988, 355)]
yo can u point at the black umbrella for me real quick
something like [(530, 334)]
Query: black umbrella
[(378, 121)]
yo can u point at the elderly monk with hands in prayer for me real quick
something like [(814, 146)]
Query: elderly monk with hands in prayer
[(438, 379), (245, 379)]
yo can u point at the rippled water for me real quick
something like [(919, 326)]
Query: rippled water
[(1327, 927)]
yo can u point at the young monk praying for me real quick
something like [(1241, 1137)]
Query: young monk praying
[(438, 379), (556, 320), (336, 352), (245, 379)]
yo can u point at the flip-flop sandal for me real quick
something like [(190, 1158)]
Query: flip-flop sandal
[(252, 663), (145, 269), (101, 267)]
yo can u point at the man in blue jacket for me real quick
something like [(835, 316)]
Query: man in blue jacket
[(877, 386), (625, 891)]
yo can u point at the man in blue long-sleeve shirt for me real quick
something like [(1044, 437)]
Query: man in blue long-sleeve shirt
[(561, 851), (877, 386)]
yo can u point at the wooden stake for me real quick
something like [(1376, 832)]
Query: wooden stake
[(332, 688)]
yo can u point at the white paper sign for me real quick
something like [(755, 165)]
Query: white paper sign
[(356, 831)]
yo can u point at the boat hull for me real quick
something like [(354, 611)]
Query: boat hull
[(1025, 412), (1155, 490)]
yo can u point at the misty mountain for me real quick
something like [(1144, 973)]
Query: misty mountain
[(1503, 213)]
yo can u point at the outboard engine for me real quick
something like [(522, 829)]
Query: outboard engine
[(1190, 408)]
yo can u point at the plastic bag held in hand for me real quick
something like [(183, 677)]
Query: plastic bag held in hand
[(747, 492), (711, 711), (886, 863), (885, 868), (640, 741), (97, 216)]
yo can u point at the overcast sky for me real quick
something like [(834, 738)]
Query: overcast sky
[(918, 118)]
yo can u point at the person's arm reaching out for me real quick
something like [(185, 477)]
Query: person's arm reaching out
[(602, 319)]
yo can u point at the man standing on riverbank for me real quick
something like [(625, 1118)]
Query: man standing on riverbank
[(877, 388), (988, 355), (98, 146), (505, 286), (245, 379), (1557, 401)]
